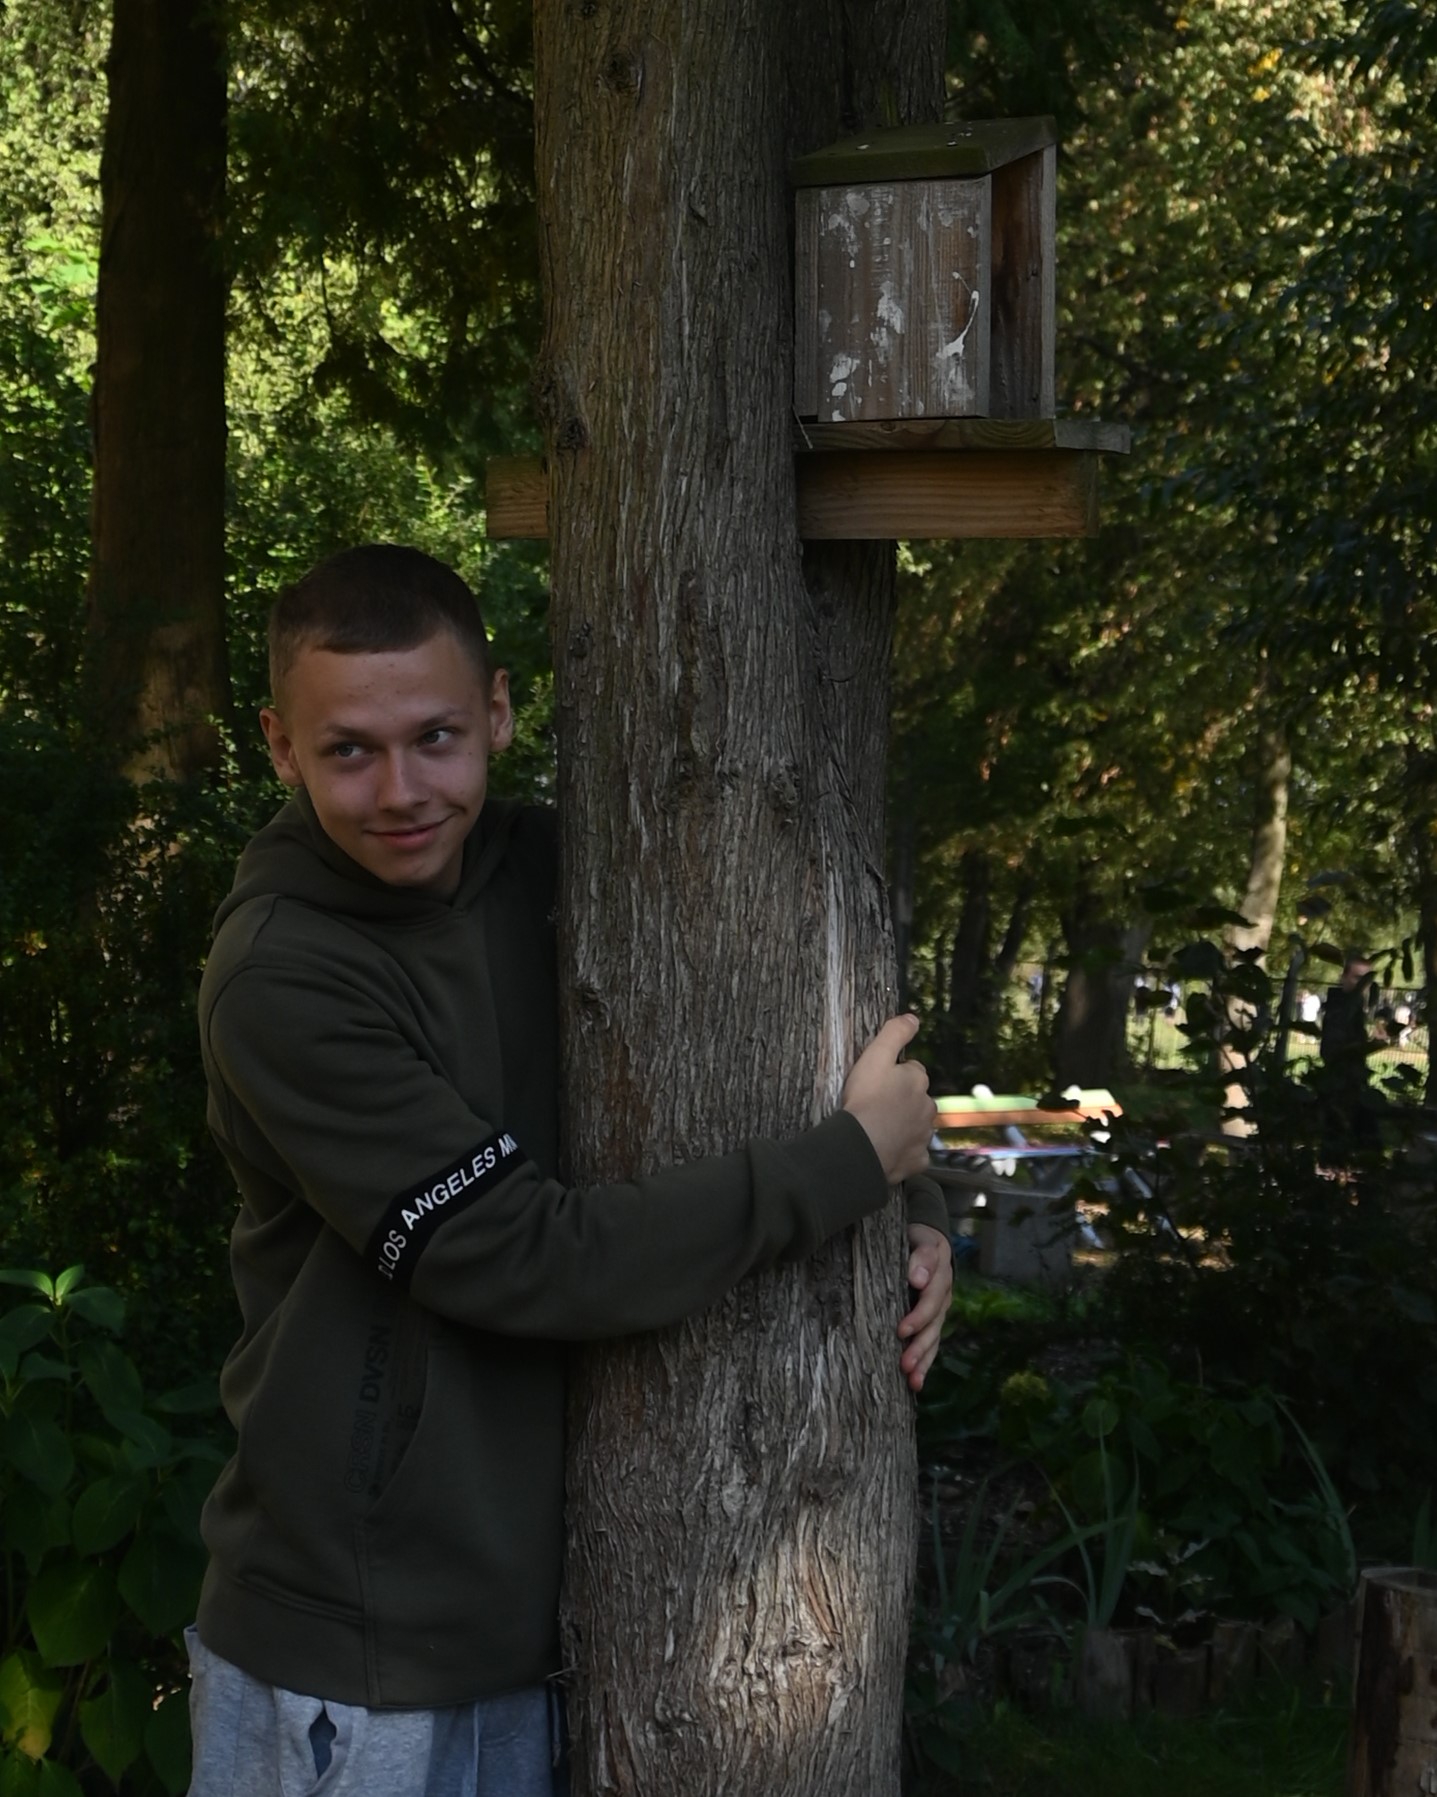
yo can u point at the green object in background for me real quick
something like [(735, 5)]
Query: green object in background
[(99, 1528)]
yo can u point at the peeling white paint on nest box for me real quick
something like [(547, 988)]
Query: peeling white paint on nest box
[(890, 308), (838, 374), (956, 347)]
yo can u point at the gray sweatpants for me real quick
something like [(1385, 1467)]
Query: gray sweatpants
[(256, 1740)]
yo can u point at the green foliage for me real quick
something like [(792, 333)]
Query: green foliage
[(1229, 1515), (1282, 1745), (404, 208), (1258, 1260), (104, 919), (100, 1492)]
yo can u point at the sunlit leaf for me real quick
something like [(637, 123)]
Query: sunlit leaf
[(30, 1695)]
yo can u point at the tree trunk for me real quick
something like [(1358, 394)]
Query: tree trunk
[(969, 977), (1269, 840), (743, 1488), (1420, 816), (1264, 884), (902, 903), (1393, 1743), (1016, 932), (1104, 954), (155, 655)]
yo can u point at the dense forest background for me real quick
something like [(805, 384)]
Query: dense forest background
[(268, 287), (1223, 701)]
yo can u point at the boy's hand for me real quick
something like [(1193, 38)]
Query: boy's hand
[(890, 1099), (930, 1273)]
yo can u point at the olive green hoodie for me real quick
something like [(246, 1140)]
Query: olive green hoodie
[(382, 1071)]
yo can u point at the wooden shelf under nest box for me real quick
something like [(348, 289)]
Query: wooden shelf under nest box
[(975, 477)]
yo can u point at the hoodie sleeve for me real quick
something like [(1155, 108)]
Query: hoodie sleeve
[(319, 1099), (923, 1202)]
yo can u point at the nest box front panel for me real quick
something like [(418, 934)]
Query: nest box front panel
[(893, 300)]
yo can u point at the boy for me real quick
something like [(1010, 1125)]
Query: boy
[(378, 1028)]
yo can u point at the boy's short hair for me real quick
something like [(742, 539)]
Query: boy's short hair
[(365, 601)]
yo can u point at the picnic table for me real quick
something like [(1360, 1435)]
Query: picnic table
[(1000, 1193)]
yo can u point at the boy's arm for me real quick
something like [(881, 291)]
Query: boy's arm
[(320, 1098)]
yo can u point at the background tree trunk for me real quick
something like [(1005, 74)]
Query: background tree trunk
[(970, 987), (742, 1488), (1104, 955), (1273, 772), (1269, 839), (155, 655)]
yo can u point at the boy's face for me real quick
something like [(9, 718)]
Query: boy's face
[(393, 750)]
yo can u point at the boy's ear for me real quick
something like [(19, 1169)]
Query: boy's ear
[(281, 749), (501, 712)]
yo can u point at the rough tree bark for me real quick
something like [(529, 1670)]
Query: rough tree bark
[(1104, 955), (1419, 810), (1269, 840), (742, 1488), (970, 985), (1273, 771), (155, 654)]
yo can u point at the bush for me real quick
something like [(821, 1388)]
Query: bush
[(104, 922), (1260, 1263), (101, 1487)]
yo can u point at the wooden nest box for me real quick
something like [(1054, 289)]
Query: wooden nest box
[(924, 274), (924, 335)]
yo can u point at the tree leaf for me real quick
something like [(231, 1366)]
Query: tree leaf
[(34, 1523), (19, 1774), (183, 1495), (100, 1305), (37, 1367), (196, 1399), (26, 1326), (147, 1442), (1199, 961), (112, 1725), (72, 1607), (36, 1447), (30, 1700), (67, 1281), (110, 1376), (160, 1579), (55, 1780), (37, 1282), (167, 1742), (107, 1511)]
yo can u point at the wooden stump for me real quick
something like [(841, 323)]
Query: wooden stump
[(1233, 1665), (1393, 1748), (1180, 1682), (1106, 1668), (1281, 1650)]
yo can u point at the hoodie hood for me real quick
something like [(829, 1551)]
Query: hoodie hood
[(292, 857)]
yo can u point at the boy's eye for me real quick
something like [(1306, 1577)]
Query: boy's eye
[(345, 751), (439, 735)]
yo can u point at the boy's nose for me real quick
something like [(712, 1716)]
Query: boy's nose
[(398, 789)]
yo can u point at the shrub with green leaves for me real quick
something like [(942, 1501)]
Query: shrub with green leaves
[(1234, 1513), (1256, 1260), (100, 1492)]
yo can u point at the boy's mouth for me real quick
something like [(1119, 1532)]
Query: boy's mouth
[(408, 835)]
